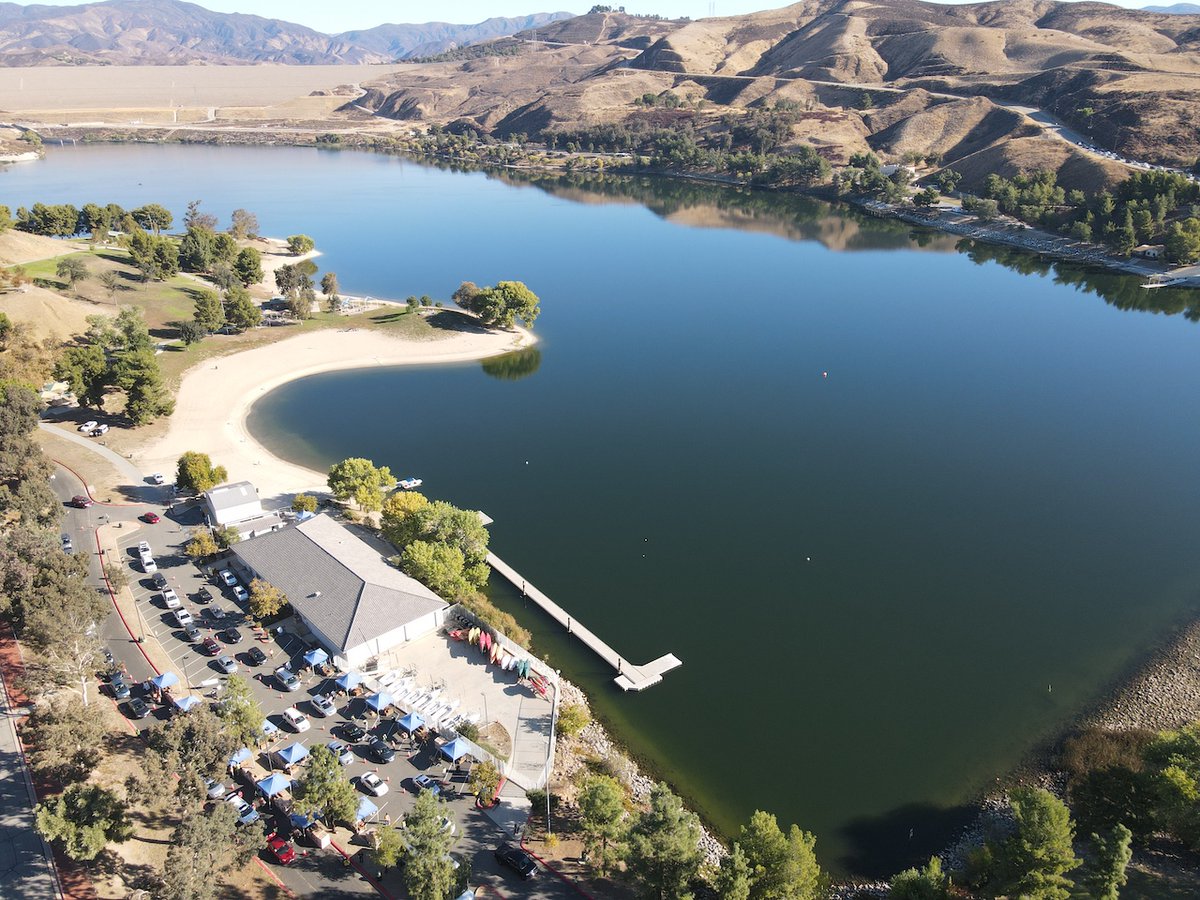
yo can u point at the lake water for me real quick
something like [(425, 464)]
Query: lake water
[(899, 508)]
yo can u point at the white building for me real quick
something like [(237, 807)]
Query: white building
[(229, 504), (341, 586)]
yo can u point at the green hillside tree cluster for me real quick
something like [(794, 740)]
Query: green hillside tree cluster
[(440, 545), (501, 305)]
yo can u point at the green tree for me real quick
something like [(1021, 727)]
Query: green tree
[(1182, 245), (782, 865), (83, 819), (201, 545), (243, 224), (438, 566), (195, 219), (663, 849), (428, 869), (462, 529), (389, 847), (304, 503), (226, 536), (210, 313), (72, 270), (247, 265), (265, 599), (153, 217), (1106, 876), (485, 780), (927, 197), (329, 287), (240, 711), (198, 250), (400, 521), (195, 745), (195, 472), (86, 369), (146, 398), (205, 843), (111, 282), (601, 818), (361, 481), (503, 304), (733, 878), (325, 790), (299, 244), (465, 295), (572, 719), (929, 883), (6, 219), (191, 333), (68, 737), (1034, 861), (240, 311)]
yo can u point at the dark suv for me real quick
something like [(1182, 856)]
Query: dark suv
[(517, 860)]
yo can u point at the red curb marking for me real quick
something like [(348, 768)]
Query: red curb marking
[(87, 490), (361, 871), (274, 877)]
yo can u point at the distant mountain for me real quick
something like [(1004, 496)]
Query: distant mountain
[(405, 41), (173, 32), (1176, 9)]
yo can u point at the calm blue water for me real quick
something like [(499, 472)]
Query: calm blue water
[(885, 583)]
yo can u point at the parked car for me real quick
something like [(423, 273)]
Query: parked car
[(183, 617), (67, 545), (170, 599), (245, 812), (227, 664), (81, 502), (425, 783), (284, 852), (88, 426), (191, 633), (144, 548), (160, 580), (517, 860), (151, 518), (119, 687), (210, 646), (99, 430), (379, 751), (231, 636), (158, 478), (256, 656), (287, 678), (295, 719), (353, 733), (149, 566), (343, 753), (372, 784), (204, 595), (137, 708), (323, 705), (226, 576), (214, 789), (241, 594)]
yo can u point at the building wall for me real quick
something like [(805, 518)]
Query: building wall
[(240, 513)]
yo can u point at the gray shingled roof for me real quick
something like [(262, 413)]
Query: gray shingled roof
[(227, 496), (361, 596)]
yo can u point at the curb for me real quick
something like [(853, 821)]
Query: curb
[(113, 597), (87, 490), (274, 877), (361, 871), (565, 879)]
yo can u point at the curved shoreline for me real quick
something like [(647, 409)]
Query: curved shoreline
[(203, 422)]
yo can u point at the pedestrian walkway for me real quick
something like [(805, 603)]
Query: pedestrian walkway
[(629, 677), (128, 470)]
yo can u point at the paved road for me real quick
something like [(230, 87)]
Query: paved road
[(26, 867)]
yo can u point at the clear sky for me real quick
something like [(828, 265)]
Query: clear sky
[(328, 16)]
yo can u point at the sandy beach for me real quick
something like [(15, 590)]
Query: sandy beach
[(215, 396)]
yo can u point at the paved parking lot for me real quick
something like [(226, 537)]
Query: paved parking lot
[(317, 873)]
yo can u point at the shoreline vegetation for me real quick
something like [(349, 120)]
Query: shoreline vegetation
[(1019, 218), (1162, 692)]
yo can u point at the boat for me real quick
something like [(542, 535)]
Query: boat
[(1160, 281), (409, 483)]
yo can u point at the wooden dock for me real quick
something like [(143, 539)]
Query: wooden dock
[(629, 677)]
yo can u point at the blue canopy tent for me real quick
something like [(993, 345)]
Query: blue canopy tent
[(293, 754), (274, 784), (165, 680), (183, 704), (411, 722), (269, 728), (316, 656), (240, 756), (300, 822), (349, 681), (366, 809), (456, 749), (380, 701)]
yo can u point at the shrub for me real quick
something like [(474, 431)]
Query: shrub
[(572, 719)]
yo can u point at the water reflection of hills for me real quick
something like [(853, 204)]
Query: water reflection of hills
[(840, 228)]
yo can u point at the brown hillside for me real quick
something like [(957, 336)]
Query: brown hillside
[(1027, 154)]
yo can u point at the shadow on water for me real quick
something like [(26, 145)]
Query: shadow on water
[(881, 846)]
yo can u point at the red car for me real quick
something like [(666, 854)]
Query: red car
[(282, 850), (81, 502), (211, 647), (151, 518)]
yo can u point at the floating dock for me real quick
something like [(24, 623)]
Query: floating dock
[(629, 677)]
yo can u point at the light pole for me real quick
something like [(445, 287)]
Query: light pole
[(486, 717)]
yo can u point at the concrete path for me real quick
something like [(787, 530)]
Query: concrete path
[(26, 869), (128, 470)]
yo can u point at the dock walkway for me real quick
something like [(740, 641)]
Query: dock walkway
[(629, 677)]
